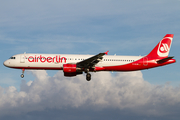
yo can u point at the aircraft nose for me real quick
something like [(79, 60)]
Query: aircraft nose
[(6, 63)]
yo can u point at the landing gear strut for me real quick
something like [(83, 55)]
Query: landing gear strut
[(22, 75)]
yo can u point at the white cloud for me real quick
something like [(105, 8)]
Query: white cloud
[(106, 91)]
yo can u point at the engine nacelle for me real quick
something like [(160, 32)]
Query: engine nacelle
[(71, 70)]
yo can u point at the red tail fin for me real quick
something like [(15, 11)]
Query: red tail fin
[(162, 48)]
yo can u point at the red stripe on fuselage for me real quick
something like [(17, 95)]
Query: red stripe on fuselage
[(137, 65)]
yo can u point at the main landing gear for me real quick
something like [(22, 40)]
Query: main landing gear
[(22, 75), (88, 75)]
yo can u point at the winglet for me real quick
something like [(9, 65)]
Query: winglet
[(106, 52)]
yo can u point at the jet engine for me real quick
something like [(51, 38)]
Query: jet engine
[(71, 70)]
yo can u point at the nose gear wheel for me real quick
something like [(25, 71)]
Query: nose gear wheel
[(22, 75)]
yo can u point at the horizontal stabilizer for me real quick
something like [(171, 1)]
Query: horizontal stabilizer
[(164, 60)]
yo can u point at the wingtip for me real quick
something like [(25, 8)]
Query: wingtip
[(106, 52)]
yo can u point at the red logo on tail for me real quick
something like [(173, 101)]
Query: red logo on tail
[(164, 47)]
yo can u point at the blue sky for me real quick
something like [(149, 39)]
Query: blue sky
[(87, 27)]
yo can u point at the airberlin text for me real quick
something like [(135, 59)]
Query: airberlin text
[(57, 59)]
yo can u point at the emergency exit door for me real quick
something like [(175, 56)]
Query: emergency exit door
[(22, 58)]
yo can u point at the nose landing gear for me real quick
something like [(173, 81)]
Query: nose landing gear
[(22, 75)]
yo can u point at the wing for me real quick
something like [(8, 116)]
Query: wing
[(91, 62)]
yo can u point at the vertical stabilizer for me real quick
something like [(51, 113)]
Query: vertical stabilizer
[(162, 48)]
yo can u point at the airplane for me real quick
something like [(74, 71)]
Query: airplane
[(73, 65)]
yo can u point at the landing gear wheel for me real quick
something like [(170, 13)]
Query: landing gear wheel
[(88, 76), (22, 75)]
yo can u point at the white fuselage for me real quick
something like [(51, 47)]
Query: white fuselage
[(56, 61)]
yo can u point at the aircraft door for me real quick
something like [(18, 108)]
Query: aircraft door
[(145, 61), (22, 58)]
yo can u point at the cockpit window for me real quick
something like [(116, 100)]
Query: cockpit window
[(12, 58)]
